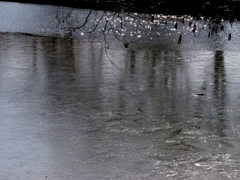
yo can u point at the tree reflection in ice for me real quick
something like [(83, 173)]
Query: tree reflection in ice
[(130, 28)]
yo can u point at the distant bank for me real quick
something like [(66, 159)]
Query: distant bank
[(227, 9), (85, 4)]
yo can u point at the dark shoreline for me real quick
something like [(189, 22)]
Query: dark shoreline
[(82, 4), (226, 10)]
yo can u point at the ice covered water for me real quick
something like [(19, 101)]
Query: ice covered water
[(73, 109)]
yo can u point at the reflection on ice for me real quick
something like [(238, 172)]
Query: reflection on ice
[(67, 112)]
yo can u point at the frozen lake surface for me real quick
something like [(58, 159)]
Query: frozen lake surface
[(74, 109)]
